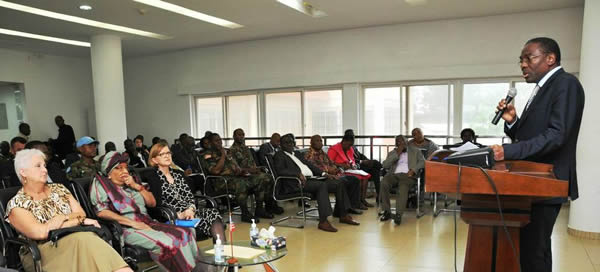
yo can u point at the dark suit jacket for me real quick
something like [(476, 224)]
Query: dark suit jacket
[(265, 149), (285, 166), (548, 130)]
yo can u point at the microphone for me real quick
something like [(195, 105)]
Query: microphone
[(512, 92)]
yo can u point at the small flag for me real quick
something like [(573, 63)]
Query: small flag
[(231, 224)]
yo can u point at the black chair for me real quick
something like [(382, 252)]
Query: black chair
[(11, 242), (282, 197), (131, 254), (209, 190)]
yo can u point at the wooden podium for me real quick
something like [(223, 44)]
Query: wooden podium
[(518, 183)]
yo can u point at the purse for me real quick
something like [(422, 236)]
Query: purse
[(57, 234)]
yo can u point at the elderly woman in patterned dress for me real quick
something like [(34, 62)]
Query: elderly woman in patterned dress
[(39, 208), (170, 188), (117, 196)]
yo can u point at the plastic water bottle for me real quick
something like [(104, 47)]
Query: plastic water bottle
[(219, 250), (253, 230)]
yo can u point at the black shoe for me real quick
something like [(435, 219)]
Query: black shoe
[(262, 213), (274, 208), (386, 216), (354, 211), (398, 219), (248, 218)]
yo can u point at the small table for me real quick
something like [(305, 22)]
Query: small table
[(265, 259)]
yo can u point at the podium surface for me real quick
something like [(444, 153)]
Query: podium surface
[(518, 184)]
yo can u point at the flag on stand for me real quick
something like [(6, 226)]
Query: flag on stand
[(231, 224)]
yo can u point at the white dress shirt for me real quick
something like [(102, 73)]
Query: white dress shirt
[(303, 168)]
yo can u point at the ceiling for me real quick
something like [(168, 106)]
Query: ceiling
[(261, 19)]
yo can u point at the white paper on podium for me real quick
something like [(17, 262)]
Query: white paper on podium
[(466, 146), (357, 172), (240, 251)]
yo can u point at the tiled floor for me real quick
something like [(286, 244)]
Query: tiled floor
[(420, 245)]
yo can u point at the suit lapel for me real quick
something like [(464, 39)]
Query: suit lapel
[(541, 92)]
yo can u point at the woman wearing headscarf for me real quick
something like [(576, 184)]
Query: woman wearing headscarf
[(117, 196), (39, 208)]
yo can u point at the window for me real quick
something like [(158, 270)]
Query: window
[(284, 113), (209, 115), (479, 102), (242, 112), (323, 112), (428, 110), (382, 111)]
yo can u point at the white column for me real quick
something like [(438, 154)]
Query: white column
[(109, 90), (583, 215)]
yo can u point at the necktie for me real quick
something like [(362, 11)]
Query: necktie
[(535, 90)]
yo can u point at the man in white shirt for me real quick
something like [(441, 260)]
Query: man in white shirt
[(402, 164)]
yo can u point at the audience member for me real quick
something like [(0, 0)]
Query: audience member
[(269, 147), (419, 141), (170, 188), (243, 156), (86, 166), (4, 151), (7, 167), (342, 155), (318, 158), (204, 145), (185, 156), (117, 196), (155, 140), (17, 144), (109, 146), (468, 135), (291, 163), (402, 164), (39, 208), (219, 162), (24, 131), (55, 173), (141, 148), (63, 144), (136, 160), (373, 167)]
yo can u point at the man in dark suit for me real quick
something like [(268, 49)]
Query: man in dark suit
[(65, 141), (546, 132), (269, 148), (289, 163)]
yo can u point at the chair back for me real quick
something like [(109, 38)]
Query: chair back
[(81, 188), (6, 230), (271, 165)]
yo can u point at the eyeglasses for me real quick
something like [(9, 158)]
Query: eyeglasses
[(164, 154), (529, 58)]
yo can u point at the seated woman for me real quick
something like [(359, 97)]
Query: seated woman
[(39, 207), (117, 196), (170, 188), (342, 155)]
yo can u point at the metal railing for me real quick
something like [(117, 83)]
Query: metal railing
[(375, 147)]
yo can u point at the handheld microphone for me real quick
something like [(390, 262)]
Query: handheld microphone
[(512, 92)]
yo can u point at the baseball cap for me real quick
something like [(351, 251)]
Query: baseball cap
[(85, 140)]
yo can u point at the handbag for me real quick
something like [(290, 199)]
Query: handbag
[(57, 234)]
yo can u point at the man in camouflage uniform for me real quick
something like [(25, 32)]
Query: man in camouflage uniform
[(219, 162), (244, 158), (86, 166)]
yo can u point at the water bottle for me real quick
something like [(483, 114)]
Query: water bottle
[(219, 250), (253, 231)]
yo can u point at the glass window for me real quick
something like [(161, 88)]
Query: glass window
[(284, 113), (323, 113), (382, 111), (524, 90), (428, 109), (479, 102), (209, 115), (242, 112)]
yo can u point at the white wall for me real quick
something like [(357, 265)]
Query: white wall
[(465, 48), (53, 85), (7, 96)]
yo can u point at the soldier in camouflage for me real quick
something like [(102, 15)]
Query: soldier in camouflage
[(220, 162), (86, 166), (244, 158)]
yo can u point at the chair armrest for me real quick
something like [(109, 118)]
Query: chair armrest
[(207, 178), (165, 212), (199, 197), (288, 178), (31, 246)]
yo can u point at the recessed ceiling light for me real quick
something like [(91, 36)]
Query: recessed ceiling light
[(42, 37), (79, 20), (304, 7), (190, 13), (85, 7)]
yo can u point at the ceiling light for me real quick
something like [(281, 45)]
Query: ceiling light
[(416, 2), (304, 7), (42, 37), (85, 7), (190, 13), (79, 20)]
